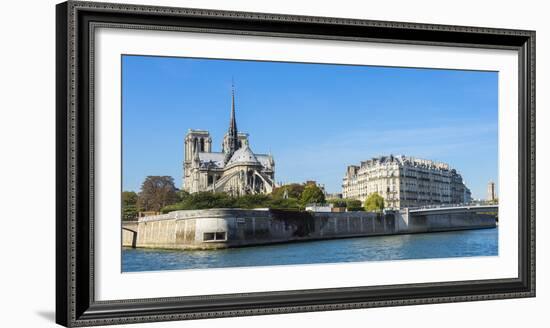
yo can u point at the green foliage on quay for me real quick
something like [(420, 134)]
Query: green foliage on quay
[(374, 202), (354, 205), (347, 203), (291, 196), (292, 190), (158, 194), (130, 208), (312, 195), (204, 200)]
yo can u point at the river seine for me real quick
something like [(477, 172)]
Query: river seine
[(483, 242)]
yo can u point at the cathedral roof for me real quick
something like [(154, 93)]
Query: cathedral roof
[(265, 160), (243, 155), (216, 159)]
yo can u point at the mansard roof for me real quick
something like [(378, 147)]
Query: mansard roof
[(403, 160)]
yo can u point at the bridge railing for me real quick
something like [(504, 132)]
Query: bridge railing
[(427, 207)]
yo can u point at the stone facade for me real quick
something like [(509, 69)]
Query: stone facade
[(235, 170), (405, 182)]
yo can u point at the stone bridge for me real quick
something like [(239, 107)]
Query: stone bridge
[(445, 218), (454, 209)]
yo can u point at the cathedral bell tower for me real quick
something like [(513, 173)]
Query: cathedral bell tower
[(195, 141)]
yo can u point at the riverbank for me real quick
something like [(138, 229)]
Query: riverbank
[(226, 228)]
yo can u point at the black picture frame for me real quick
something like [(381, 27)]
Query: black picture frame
[(75, 302)]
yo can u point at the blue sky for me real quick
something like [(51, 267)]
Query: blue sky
[(315, 119)]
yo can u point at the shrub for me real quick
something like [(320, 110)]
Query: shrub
[(129, 212), (253, 201), (337, 202), (374, 202), (282, 204), (354, 205), (312, 194)]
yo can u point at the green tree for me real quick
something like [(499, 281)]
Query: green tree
[(172, 208), (182, 195), (203, 200), (353, 205), (374, 202), (130, 212), (292, 190), (157, 192), (284, 204), (129, 198), (338, 202), (129, 205), (253, 201), (312, 194)]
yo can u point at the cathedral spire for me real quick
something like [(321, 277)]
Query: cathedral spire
[(232, 135), (232, 121)]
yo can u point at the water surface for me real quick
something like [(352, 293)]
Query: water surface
[(482, 242)]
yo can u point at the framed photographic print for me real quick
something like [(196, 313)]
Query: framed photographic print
[(215, 163)]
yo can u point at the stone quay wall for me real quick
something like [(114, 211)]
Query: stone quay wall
[(129, 233), (223, 228)]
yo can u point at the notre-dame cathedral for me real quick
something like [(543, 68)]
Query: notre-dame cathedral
[(235, 170)]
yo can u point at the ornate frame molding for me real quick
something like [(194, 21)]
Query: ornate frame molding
[(76, 24)]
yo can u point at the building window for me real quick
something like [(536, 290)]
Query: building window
[(214, 236), (209, 236)]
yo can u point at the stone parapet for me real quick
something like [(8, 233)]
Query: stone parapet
[(223, 228)]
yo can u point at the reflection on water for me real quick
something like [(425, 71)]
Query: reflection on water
[(466, 243)]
